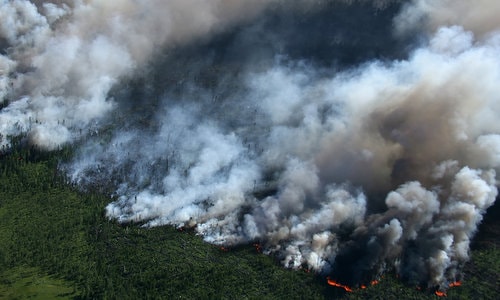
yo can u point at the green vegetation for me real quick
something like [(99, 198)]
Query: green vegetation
[(56, 243), (23, 283)]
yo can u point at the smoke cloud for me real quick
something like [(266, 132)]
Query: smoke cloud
[(478, 17), (63, 58), (209, 114)]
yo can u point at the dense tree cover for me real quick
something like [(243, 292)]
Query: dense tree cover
[(56, 241)]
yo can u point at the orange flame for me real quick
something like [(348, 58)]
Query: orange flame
[(373, 282), (258, 247), (452, 284), (224, 249), (340, 285)]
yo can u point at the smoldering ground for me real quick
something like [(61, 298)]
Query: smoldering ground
[(348, 138)]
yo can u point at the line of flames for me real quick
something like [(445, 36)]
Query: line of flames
[(374, 282), (346, 287), (340, 285)]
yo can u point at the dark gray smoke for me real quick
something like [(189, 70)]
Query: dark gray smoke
[(344, 136)]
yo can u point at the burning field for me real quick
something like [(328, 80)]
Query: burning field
[(350, 138)]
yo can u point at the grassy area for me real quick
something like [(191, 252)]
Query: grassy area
[(31, 283), (55, 243)]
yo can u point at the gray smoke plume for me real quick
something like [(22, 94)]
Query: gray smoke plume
[(60, 60), (382, 159)]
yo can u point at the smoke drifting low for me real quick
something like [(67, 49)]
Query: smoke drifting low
[(211, 114), (61, 59)]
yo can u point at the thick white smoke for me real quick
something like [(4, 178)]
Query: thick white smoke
[(479, 16), (61, 59), (386, 165)]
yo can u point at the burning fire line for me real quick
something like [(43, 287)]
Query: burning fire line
[(374, 282), (348, 288), (336, 284)]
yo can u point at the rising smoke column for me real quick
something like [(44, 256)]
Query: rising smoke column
[(386, 165)]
